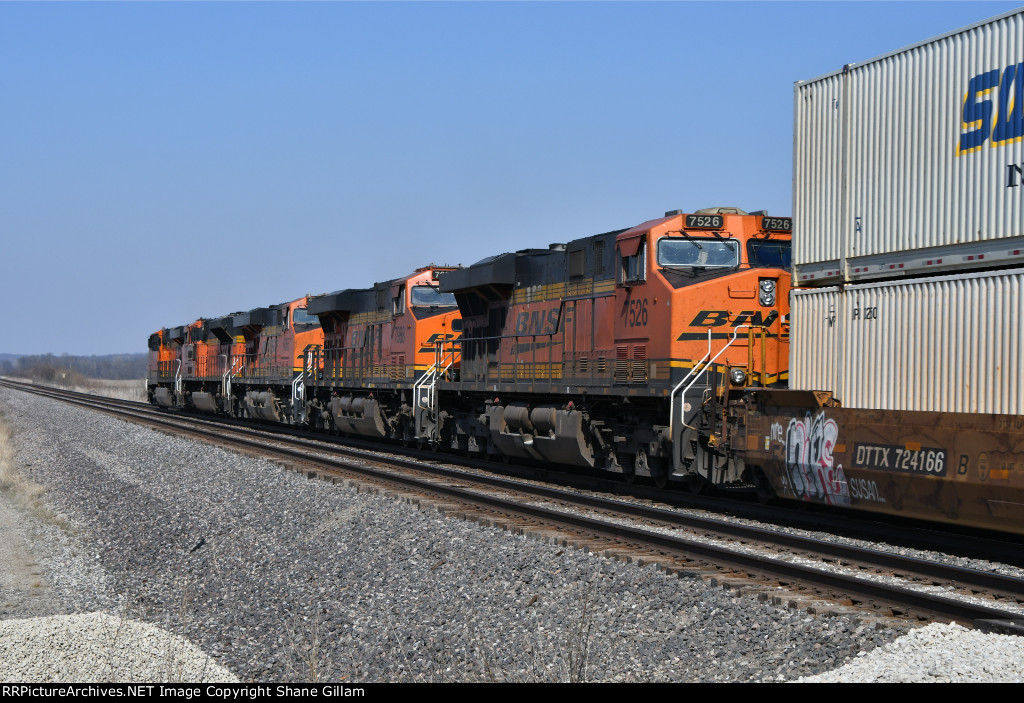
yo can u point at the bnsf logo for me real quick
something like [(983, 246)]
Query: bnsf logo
[(537, 322), (431, 344), (717, 318), (1000, 116)]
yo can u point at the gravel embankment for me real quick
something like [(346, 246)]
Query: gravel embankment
[(96, 647), (938, 653), (278, 578)]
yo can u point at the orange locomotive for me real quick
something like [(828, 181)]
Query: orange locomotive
[(268, 363), (243, 364), (384, 349), (612, 351), (164, 368)]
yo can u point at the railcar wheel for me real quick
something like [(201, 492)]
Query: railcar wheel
[(659, 472), (765, 492), (695, 484)]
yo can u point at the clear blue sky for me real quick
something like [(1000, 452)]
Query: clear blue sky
[(165, 161)]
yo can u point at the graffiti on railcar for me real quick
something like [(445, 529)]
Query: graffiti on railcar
[(809, 462)]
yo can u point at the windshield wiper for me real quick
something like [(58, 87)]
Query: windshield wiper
[(687, 237)]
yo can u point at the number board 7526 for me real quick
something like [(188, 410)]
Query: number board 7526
[(704, 221)]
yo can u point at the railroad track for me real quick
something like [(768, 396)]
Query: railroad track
[(804, 571)]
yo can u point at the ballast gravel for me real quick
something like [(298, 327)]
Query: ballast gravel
[(938, 653), (97, 647), (278, 578)]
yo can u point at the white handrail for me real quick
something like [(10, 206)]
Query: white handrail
[(428, 401), (177, 382), (298, 396), (430, 377), (226, 378), (672, 395), (696, 371)]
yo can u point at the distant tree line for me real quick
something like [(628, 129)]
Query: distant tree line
[(48, 367)]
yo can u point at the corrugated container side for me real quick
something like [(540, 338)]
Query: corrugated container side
[(813, 338), (950, 344), (934, 136), (818, 160)]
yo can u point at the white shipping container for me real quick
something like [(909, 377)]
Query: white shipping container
[(950, 343), (914, 161)]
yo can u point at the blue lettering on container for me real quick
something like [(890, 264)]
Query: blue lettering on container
[(985, 115)]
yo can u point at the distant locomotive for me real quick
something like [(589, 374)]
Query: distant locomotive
[(346, 361)]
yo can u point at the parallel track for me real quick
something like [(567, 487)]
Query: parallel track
[(627, 529)]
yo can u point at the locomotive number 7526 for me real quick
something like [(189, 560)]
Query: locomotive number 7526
[(636, 313)]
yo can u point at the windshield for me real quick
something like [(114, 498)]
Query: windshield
[(301, 317), (705, 253), (429, 295), (770, 253)]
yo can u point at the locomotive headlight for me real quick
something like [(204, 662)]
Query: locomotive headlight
[(737, 376), (767, 292)]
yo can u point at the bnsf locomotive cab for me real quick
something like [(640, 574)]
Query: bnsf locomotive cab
[(701, 304), (164, 377), (718, 271), (272, 355), (383, 351)]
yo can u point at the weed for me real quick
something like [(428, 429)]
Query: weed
[(306, 661), (24, 490)]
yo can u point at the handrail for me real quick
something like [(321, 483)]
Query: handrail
[(427, 402), (229, 374), (696, 371), (672, 395), (431, 375), (177, 382), (298, 397)]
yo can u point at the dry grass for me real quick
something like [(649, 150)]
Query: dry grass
[(132, 389), (121, 390), (22, 489)]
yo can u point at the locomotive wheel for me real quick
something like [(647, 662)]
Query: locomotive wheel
[(629, 472), (659, 472), (640, 463)]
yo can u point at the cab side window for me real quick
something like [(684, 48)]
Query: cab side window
[(632, 268)]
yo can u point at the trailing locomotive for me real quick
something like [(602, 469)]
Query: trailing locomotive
[(243, 364), (384, 350), (348, 361)]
